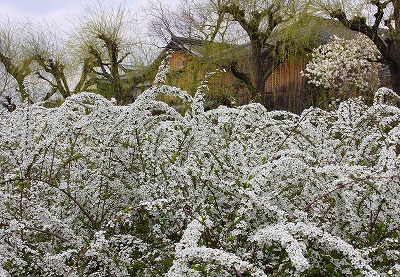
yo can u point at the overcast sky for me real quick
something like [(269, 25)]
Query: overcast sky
[(58, 11)]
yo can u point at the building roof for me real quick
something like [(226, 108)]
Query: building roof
[(194, 46), (217, 52)]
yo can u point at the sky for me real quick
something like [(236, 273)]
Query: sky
[(56, 11)]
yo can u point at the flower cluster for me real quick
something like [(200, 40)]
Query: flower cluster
[(344, 64), (94, 189)]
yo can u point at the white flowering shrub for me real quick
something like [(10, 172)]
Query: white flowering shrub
[(344, 65), (93, 189)]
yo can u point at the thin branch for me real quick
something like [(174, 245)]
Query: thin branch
[(40, 76), (325, 195), (68, 194), (4, 224)]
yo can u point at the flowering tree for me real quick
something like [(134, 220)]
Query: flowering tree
[(93, 189), (368, 17), (344, 65)]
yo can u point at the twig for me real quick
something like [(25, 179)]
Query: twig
[(4, 224)]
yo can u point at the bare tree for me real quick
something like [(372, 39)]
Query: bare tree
[(98, 49), (105, 38), (190, 19), (13, 56), (47, 50), (56, 64), (35, 50)]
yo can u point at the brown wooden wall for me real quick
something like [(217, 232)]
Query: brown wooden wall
[(178, 60), (285, 88), (187, 73), (286, 77)]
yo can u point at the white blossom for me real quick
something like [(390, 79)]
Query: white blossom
[(95, 189), (344, 64)]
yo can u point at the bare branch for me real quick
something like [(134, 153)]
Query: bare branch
[(32, 228), (66, 192)]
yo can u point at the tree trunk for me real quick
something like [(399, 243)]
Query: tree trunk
[(265, 61), (393, 56), (259, 80), (395, 77), (112, 48)]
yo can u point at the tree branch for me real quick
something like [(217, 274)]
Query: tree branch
[(4, 224), (380, 12), (242, 76), (40, 76), (359, 24), (69, 195), (99, 62), (123, 57), (238, 15)]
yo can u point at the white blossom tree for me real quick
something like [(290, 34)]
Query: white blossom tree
[(345, 65), (377, 19)]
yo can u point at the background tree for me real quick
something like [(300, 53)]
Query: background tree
[(105, 36), (98, 49), (259, 19), (15, 60), (50, 61), (250, 18), (190, 19), (37, 54), (239, 22), (383, 28), (64, 71), (347, 67)]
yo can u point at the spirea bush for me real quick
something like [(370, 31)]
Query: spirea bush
[(94, 189), (345, 65)]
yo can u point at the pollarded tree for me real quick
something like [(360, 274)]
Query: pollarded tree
[(105, 34), (54, 63), (345, 65), (387, 15), (13, 56), (34, 54), (47, 50)]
